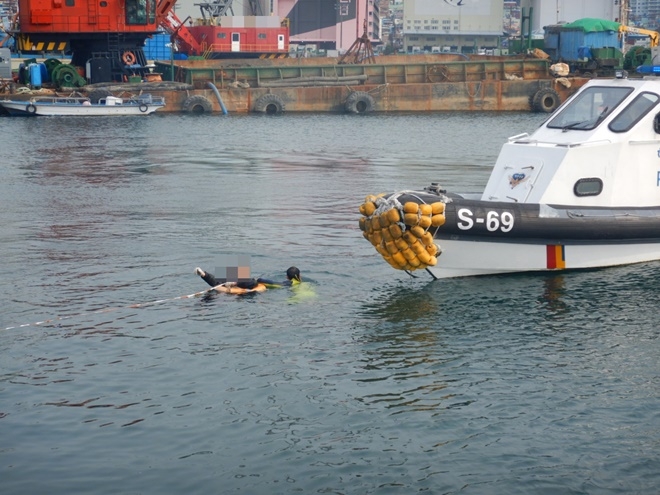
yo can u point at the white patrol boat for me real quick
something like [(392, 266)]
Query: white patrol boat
[(582, 191)]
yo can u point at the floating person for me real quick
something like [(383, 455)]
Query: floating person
[(250, 285)]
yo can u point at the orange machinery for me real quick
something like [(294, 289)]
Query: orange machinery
[(103, 30), (106, 37)]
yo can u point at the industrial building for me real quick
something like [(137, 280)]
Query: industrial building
[(331, 25), (321, 24), (546, 13), (452, 25)]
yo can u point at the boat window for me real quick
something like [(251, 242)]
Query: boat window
[(589, 108), (632, 114), (592, 186)]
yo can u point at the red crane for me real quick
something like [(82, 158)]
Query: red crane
[(110, 33)]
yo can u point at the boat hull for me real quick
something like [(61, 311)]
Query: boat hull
[(481, 237), (468, 257), (26, 108)]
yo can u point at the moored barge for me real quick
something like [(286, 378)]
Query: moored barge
[(418, 83), (395, 83)]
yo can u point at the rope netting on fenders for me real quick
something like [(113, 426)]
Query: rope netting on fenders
[(401, 233)]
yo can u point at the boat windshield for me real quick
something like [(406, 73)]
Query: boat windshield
[(589, 108), (634, 112)]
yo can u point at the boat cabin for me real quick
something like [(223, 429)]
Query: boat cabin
[(601, 148)]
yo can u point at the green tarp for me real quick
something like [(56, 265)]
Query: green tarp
[(589, 25)]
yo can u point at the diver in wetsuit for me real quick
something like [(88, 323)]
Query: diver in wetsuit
[(251, 284)]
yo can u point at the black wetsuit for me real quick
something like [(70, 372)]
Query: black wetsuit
[(248, 284)]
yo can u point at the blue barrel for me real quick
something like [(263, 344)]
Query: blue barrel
[(35, 75), (44, 72)]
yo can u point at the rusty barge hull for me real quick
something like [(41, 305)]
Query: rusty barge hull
[(403, 84)]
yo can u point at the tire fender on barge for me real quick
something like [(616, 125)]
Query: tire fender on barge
[(359, 102), (545, 100), (269, 104), (197, 104)]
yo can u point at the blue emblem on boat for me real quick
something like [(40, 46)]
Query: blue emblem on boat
[(516, 179)]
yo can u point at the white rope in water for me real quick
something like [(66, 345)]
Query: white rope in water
[(108, 310)]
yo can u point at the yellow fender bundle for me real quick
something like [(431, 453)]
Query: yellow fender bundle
[(400, 232)]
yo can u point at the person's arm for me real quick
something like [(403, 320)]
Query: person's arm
[(209, 278), (269, 283)]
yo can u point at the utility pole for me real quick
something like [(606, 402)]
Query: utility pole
[(623, 12)]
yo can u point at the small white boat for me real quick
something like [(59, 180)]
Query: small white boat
[(81, 106), (583, 191)]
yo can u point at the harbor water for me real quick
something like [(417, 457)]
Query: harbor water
[(365, 382)]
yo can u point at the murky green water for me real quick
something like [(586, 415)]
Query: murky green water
[(371, 383)]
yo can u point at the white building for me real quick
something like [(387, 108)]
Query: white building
[(546, 12), (464, 26)]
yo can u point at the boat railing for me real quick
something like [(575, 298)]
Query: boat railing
[(404, 69), (520, 139), (144, 99), (51, 100), (149, 99)]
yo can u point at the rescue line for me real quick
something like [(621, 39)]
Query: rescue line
[(109, 310)]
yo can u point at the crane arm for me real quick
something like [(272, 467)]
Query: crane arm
[(653, 35), (174, 26)]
